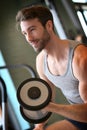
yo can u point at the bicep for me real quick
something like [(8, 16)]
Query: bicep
[(81, 75), (80, 71), (83, 79)]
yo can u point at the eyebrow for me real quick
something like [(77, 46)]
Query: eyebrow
[(31, 27)]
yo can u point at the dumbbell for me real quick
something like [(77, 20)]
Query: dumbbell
[(33, 95)]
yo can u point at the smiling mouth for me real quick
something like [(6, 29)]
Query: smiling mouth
[(34, 44)]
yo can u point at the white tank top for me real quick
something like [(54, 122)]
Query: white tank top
[(67, 82)]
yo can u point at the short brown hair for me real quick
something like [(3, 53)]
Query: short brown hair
[(35, 11)]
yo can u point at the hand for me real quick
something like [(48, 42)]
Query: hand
[(39, 127), (49, 107)]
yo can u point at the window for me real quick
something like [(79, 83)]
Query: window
[(81, 9), (80, 1)]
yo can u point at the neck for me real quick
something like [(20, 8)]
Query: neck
[(55, 47)]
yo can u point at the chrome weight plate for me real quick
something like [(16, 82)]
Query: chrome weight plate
[(34, 94), (35, 116)]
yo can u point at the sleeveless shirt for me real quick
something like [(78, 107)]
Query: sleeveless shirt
[(67, 83)]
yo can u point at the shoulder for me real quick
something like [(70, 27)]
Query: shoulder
[(40, 57), (80, 52), (40, 62), (80, 61)]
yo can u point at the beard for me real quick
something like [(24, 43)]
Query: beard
[(42, 42)]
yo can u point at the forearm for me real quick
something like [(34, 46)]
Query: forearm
[(76, 112)]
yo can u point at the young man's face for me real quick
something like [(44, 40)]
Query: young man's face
[(36, 35)]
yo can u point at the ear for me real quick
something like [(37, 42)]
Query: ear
[(49, 25)]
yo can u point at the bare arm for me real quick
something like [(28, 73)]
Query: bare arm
[(39, 67)]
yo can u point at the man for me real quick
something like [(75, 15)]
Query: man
[(61, 63)]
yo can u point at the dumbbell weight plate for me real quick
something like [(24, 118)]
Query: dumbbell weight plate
[(34, 94), (35, 116)]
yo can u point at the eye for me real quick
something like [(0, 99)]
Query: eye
[(32, 29)]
